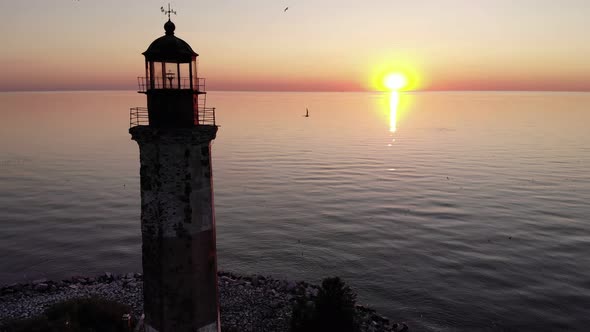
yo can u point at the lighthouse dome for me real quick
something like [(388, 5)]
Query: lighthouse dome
[(169, 48)]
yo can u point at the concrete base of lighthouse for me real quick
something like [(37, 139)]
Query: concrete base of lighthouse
[(178, 229)]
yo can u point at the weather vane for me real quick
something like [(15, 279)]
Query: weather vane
[(168, 12)]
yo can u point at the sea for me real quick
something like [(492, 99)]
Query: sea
[(450, 211)]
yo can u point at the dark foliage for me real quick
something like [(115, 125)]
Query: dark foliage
[(78, 315), (332, 310)]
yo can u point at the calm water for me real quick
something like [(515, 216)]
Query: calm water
[(452, 211)]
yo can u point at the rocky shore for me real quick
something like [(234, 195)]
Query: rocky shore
[(247, 303)]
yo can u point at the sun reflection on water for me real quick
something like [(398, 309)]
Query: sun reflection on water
[(393, 104)]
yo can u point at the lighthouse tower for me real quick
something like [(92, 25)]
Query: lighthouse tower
[(174, 134)]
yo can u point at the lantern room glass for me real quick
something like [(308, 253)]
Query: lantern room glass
[(171, 75)]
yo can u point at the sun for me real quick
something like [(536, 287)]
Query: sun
[(395, 81)]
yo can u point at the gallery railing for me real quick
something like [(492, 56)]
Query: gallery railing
[(138, 116), (204, 116), (170, 83)]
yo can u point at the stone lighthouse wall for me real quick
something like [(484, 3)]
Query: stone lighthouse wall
[(178, 229)]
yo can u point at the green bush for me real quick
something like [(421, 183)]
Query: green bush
[(332, 310), (78, 315)]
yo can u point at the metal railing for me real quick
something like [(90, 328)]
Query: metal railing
[(203, 116), (165, 83), (138, 116)]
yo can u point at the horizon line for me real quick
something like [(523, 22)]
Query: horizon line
[(302, 91)]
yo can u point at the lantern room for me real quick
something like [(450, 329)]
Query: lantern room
[(176, 96), (170, 63)]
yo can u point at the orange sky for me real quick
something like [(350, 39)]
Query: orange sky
[(323, 45)]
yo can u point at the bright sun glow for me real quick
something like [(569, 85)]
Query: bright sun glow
[(395, 81)]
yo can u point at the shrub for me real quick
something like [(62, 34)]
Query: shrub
[(78, 315), (332, 310)]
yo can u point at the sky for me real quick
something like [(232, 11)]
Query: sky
[(316, 45)]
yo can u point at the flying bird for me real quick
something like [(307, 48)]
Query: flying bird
[(286, 8)]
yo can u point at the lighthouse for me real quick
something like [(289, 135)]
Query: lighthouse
[(174, 133)]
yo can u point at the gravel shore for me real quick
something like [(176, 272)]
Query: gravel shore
[(247, 303)]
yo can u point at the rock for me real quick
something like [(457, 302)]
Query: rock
[(291, 285), (311, 292), (78, 280), (300, 290), (275, 304), (8, 291), (41, 287), (11, 288), (40, 281), (281, 285)]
